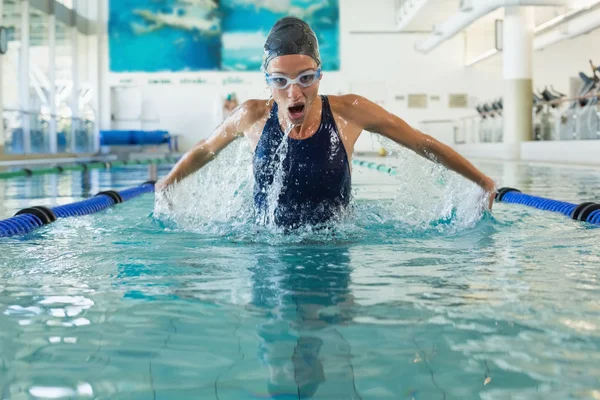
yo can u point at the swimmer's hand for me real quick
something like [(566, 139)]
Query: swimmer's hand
[(160, 186), (160, 192), (492, 197), (490, 190)]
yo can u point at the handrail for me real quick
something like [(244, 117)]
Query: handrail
[(571, 99), (39, 113), (436, 121)]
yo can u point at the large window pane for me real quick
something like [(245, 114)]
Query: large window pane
[(87, 9), (39, 83), (86, 71), (64, 85), (72, 133), (12, 118)]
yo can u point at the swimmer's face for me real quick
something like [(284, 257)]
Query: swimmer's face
[(295, 100)]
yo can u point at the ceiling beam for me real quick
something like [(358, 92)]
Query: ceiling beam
[(581, 25), (464, 18), (580, 22)]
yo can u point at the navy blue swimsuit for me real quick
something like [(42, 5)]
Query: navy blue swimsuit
[(315, 173)]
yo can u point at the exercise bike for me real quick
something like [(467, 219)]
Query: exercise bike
[(582, 119)]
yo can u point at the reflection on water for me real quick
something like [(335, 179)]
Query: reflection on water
[(305, 294)]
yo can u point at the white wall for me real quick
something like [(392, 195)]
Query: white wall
[(557, 64), (380, 66), (584, 152), (390, 59)]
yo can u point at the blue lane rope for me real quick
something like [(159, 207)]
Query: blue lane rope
[(32, 218), (19, 225), (136, 191), (84, 207), (594, 217), (585, 212), (540, 203)]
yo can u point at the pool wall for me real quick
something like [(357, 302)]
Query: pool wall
[(568, 152)]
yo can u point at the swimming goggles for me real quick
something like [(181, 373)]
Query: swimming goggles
[(305, 79)]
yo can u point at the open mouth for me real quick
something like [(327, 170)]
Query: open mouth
[(297, 111)]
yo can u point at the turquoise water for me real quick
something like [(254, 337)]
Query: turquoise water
[(415, 294)]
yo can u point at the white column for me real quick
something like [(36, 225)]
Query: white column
[(75, 72), (93, 63), (2, 138), (519, 26), (52, 77), (24, 76), (103, 65)]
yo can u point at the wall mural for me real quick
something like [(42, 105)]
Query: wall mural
[(204, 35)]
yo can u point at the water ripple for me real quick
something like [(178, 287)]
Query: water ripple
[(406, 298)]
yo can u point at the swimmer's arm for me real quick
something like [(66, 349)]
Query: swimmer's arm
[(373, 118), (206, 150)]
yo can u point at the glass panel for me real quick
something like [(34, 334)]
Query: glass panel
[(64, 86), (87, 9), (10, 79), (86, 68), (13, 131), (39, 84), (72, 134)]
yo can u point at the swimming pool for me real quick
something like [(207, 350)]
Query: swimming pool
[(415, 295)]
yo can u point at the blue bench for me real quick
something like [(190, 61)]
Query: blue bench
[(137, 138)]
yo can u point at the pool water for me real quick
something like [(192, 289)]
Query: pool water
[(415, 295)]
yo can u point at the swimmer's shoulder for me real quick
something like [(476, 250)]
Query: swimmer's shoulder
[(252, 111), (347, 106)]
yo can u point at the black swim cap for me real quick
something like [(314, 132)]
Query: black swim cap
[(291, 35)]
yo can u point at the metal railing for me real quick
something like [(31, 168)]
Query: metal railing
[(576, 118), (28, 132), (475, 129)]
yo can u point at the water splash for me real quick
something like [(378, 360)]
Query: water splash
[(278, 179), (218, 194), (423, 199), (426, 193)]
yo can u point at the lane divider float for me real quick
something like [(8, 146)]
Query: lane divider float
[(31, 218)]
